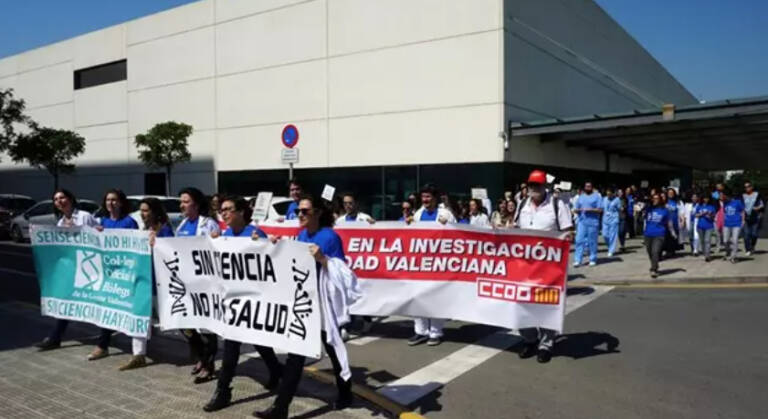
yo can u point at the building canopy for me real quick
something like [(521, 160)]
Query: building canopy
[(730, 134)]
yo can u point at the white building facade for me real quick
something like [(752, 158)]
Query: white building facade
[(386, 94)]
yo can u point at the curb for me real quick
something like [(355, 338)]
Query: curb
[(366, 393), (756, 281)]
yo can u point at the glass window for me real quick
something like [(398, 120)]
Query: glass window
[(41, 209), (101, 74)]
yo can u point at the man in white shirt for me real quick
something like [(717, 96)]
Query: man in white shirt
[(541, 211), (351, 212), (426, 329)]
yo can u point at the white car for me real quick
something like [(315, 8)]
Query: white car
[(277, 208), (42, 213), (170, 203)]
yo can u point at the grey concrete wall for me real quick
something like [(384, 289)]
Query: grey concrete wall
[(567, 58)]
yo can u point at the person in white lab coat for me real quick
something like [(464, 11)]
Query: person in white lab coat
[(477, 215), (429, 330)]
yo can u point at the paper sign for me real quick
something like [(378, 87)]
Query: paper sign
[(479, 193), (328, 192), (564, 186), (550, 178), (261, 209), (644, 183)]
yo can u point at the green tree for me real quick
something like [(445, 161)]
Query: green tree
[(164, 146), (50, 149), (11, 116)]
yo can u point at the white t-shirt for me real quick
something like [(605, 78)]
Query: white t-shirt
[(79, 218), (542, 217), (480, 220)]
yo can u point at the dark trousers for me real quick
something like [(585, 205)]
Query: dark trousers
[(751, 231), (58, 330), (294, 366), (105, 335), (545, 338), (629, 222), (623, 231), (654, 245), (232, 355), (202, 346)]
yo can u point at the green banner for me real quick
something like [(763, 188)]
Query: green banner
[(103, 278)]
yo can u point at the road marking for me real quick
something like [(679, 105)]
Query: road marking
[(15, 272), (419, 383)]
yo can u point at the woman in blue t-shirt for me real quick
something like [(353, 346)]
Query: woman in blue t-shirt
[(315, 221), (658, 224), (733, 220), (118, 209), (236, 213), (704, 215)]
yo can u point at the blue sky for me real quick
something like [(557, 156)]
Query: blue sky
[(718, 49)]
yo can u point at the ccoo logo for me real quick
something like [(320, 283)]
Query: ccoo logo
[(89, 271)]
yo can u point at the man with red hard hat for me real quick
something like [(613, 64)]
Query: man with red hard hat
[(544, 212)]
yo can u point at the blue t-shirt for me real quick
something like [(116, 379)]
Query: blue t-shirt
[(126, 222), (584, 201), (630, 205), (165, 231), (246, 232), (428, 215), (672, 208), (611, 208), (463, 220), (326, 239), (290, 213), (706, 213), (189, 228), (656, 220), (732, 211)]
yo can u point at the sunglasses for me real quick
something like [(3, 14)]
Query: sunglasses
[(302, 211)]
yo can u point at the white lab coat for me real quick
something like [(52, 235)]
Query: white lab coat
[(441, 213), (338, 291), (480, 220), (205, 226), (361, 216)]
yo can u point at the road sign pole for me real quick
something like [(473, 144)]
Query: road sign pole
[(290, 171)]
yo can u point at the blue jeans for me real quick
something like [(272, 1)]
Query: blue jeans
[(586, 237), (751, 231)]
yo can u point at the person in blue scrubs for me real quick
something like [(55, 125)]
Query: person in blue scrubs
[(315, 221), (588, 207), (611, 209), (237, 214), (657, 226), (118, 217), (630, 211), (295, 191)]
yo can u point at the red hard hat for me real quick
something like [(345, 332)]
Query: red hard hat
[(537, 176)]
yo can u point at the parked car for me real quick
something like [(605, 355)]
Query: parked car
[(12, 205), (277, 208), (42, 213)]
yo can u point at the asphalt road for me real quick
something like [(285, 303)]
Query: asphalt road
[(628, 353)]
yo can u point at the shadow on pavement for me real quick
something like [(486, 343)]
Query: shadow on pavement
[(579, 291), (663, 272), (585, 345)]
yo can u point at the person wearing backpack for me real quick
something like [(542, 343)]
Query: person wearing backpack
[(541, 211)]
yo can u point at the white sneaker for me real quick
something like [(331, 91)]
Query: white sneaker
[(592, 263), (576, 264), (610, 254), (749, 253), (344, 335)]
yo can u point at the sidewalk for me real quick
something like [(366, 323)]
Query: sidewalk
[(632, 267), (63, 384)]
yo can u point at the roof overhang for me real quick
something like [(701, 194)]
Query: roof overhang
[(731, 134)]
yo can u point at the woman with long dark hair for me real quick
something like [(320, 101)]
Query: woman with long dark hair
[(237, 215), (202, 346), (316, 221), (65, 208), (657, 225), (116, 204)]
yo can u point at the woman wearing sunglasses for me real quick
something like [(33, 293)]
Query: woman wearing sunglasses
[(316, 221)]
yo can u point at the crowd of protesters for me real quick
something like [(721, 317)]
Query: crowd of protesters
[(702, 220)]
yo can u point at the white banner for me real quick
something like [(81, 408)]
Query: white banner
[(242, 289)]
